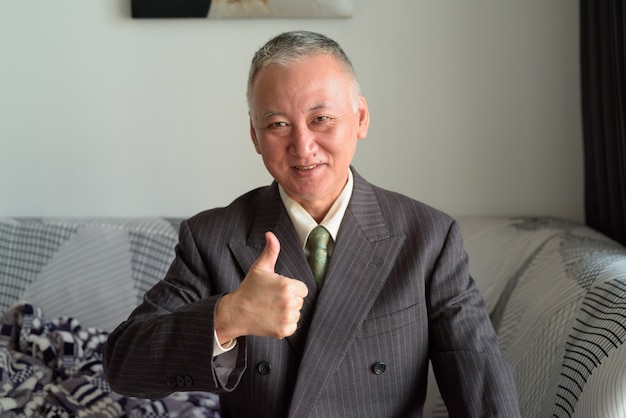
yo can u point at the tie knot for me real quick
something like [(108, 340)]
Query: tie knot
[(318, 238)]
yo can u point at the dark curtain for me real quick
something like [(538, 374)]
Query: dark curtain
[(603, 84)]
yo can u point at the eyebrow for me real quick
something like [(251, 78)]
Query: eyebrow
[(277, 113), (270, 114)]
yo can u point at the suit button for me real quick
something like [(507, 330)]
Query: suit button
[(264, 367), (379, 368), (188, 381), (171, 382)]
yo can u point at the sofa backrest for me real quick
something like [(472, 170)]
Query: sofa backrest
[(555, 291), (95, 270)]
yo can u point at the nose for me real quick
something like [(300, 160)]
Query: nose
[(302, 141)]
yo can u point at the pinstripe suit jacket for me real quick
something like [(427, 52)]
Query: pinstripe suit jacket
[(397, 293)]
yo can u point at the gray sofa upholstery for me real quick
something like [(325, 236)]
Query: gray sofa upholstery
[(94, 269), (556, 292)]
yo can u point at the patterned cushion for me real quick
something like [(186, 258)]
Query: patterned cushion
[(96, 270), (559, 313)]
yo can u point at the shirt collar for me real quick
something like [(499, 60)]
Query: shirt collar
[(304, 223)]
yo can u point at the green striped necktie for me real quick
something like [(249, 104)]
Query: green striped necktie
[(317, 244)]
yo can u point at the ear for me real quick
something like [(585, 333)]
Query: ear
[(364, 118), (255, 139)]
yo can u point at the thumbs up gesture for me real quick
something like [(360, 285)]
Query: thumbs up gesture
[(265, 303)]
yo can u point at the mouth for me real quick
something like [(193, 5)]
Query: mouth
[(306, 167)]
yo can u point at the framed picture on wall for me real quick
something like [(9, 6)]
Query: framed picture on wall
[(224, 9)]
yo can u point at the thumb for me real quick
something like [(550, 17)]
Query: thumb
[(267, 259)]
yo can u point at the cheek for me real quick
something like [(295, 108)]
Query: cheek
[(271, 152), (261, 143), (344, 150)]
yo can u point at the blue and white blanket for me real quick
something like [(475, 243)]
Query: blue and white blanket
[(53, 368)]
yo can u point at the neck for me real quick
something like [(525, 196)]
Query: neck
[(317, 213)]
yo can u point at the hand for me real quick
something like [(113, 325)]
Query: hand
[(265, 303)]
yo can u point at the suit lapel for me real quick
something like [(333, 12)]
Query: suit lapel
[(363, 257), (272, 216)]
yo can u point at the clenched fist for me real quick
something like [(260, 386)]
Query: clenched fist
[(265, 303)]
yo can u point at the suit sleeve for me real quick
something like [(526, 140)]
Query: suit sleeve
[(167, 342), (473, 378)]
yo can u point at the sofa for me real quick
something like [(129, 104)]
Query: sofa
[(555, 290), (64, 285)]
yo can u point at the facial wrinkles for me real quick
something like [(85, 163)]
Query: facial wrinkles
[(296, 92)]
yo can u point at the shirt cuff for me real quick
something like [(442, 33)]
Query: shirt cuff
[(221, 349)]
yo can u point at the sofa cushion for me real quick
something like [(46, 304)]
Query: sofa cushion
[(95, 270), (497, 249)]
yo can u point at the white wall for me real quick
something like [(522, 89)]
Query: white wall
[(474, 105)]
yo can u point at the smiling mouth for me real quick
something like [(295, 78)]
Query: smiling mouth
[(306, 167)]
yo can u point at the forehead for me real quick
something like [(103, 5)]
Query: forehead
[(313, 75)]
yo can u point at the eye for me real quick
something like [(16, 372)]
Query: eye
[(320, 119), (275, 125)]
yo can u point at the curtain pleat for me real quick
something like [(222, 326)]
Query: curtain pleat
[(603, 87)]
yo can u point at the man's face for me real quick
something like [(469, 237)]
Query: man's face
[(305, 124)]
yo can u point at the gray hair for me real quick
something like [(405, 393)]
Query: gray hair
[(290, 47)]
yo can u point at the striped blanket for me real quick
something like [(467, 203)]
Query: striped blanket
[(53, 368)]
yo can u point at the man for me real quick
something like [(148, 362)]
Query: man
[(240, 311)]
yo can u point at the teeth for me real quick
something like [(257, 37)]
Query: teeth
[(307, 168)]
